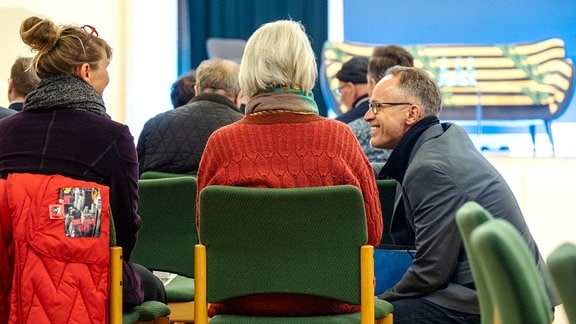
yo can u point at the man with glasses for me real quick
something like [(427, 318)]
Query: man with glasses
[(353, 88), (438, 169)]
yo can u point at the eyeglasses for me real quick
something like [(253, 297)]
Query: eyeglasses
[(375, 106), (339, 89), (90, 30)]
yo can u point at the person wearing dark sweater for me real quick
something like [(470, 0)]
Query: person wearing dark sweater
[(173, 141), (283, 143), (64, 129)]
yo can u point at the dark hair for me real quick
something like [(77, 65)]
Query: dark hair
[(23, 76), (385, 57), (61, 49), (183, 89)]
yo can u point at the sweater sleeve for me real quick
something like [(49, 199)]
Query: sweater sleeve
[(366, 180), (124, 192)]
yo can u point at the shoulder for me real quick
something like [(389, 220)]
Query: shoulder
[(4, 112)]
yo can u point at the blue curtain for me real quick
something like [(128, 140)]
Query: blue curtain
[(202, 19)]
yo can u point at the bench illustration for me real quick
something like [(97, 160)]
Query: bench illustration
[(529, 83)]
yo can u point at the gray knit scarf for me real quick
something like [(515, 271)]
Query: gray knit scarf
[(65, 91)]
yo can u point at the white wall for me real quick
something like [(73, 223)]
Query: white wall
[(143, 38)]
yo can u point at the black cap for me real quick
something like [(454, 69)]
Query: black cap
[(354, 70)]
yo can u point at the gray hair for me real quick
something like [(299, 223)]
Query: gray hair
[(278, 54), (218, 74), (417, 86), (23, 76)]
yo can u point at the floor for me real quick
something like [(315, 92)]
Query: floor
[(543, 182)]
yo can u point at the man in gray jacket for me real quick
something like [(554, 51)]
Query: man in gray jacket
[(438, 169), (173, 141)]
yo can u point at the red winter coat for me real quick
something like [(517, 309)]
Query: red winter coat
[(6, 254), (60, 270)]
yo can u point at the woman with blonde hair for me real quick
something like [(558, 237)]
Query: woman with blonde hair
[(282, 142)]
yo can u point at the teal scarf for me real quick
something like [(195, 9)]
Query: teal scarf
[(283, 99)]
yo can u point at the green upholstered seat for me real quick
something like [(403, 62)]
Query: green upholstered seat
[(293, 240), (150, 311), (562, 266), (382, 309), (147, 311), (180, 289), (516, 287)]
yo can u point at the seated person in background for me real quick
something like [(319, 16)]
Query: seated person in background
[(22, 81), (5, 112), (183, 89), (353, 88), (439, 169), (68, 132), (283, 143), (383, 57), (173, 141)]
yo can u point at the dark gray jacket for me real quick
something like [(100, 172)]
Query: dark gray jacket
[(445, 170), (174, 141)]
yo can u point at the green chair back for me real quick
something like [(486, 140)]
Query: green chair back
[(562, 266), (469, 217), (298, 240), (512, 277), (166, 240)]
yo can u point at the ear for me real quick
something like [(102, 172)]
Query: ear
[(238, 99), (83, 71), (414, 114), (371, 85), (10, 85), (196, 90)]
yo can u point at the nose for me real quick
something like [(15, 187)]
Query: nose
[(369, 115)]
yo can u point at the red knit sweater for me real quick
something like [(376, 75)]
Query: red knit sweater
[(287, 150)]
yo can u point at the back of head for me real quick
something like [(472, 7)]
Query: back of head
[(385, 57), (61, 49), (418, 86), (183, 89), (354, 70), (278, 55), (23, 76), (218, 74)]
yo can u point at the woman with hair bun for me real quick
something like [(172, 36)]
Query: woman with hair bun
[(64, 129)]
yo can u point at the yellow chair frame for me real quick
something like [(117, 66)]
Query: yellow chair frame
[(115, 303), (277, 198)]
